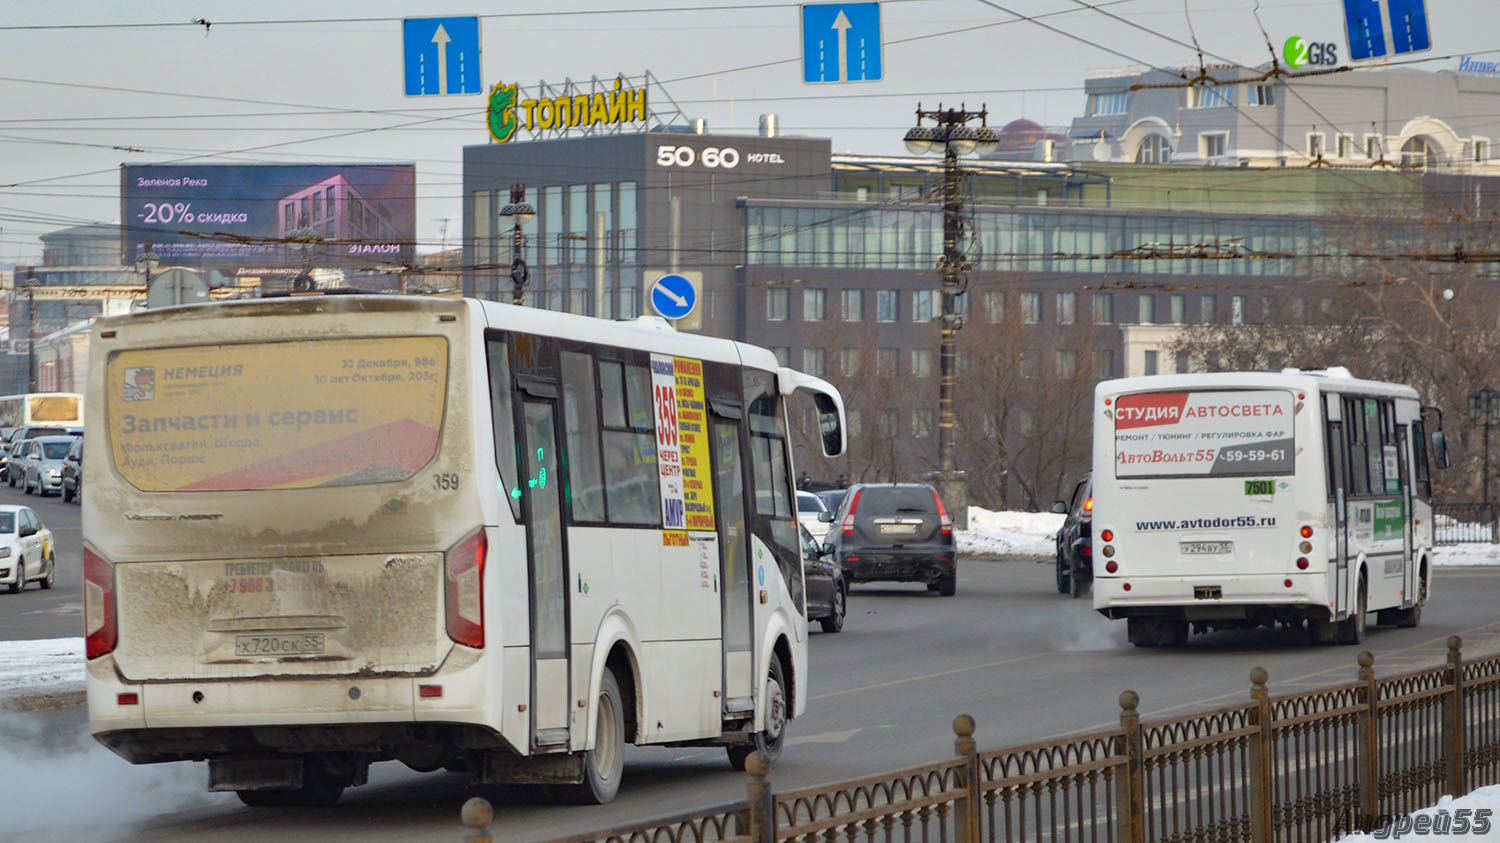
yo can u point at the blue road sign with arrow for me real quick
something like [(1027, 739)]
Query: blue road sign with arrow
[(673, 296), (441, 56), (1380, 28), (841, 42)]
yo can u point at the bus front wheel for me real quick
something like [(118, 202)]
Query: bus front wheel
[(605, 763), (768, 739)]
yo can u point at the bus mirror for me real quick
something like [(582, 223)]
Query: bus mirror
[(830, 424), (1440, 448)]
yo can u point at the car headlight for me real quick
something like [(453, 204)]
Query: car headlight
[(4, 552)]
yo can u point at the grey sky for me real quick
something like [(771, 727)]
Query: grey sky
[(92, 89)]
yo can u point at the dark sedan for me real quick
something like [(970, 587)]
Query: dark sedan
[(827, 590)]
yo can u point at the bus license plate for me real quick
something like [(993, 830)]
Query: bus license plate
[(1205, 548), (301, 644)]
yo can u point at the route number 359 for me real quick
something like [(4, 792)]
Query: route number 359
[(685, 156)]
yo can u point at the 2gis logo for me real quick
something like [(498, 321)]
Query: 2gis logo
[(1299, 52)]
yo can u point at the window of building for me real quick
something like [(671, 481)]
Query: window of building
[(926, 305), (886, 360), (890, 422), (815, 361), (1236, 310), (1177, 305), (1182, 362), (921, 424), (1103, 104), (814, 306), (1026, 422), (1029, 364), (1481, 150), (777, 305), (1154, 149), (1210, 96), (921, 362), (1104, 308), (1374, 147), (1150, 365), (1315, 144), (1104, 364), (887, 306), (1031, 308), (1262, 93), (1067, 364), (849, 362), (1345, 145), (853, 305), (1213, 144), (1206, 304), (994, 307), (1067, 308), (1418, 153), (1146, 309), (856, 422)]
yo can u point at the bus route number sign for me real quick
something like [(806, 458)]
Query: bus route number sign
[(1260, 487)]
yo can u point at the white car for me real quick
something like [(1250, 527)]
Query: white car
[(26, 551), (809, 508)]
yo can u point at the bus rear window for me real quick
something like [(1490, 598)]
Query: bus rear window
[(286, 415), (1229, 433)]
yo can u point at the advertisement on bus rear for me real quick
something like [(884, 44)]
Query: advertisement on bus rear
[(1203, 434), (269, 215)]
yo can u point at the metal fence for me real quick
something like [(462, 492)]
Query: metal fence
[(1293, 769), (1462, 523)]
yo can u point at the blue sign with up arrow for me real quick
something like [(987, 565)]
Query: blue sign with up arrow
[(1372, 35), (441, 56), (673, 296), (841, 42)]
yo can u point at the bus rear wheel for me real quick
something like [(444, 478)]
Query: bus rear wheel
[(1352, 628), (603, 765), (770, 738)]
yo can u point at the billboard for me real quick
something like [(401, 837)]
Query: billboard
[(298, 215)]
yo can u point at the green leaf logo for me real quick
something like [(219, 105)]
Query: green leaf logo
[(502, 112)]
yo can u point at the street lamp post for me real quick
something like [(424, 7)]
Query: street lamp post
[(951, 134), (517, 213), (1484, 404)]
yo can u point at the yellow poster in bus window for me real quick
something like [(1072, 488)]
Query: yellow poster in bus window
[(692, 434), (276, 415)]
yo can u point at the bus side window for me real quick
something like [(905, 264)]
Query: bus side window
[(632, 485), (1422, 472), (580, 412)]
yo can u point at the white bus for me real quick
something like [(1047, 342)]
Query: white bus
[(324, 531), (63, 409), (1244, 499)]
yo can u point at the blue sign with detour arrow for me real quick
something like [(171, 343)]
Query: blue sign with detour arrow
[(673, 296)]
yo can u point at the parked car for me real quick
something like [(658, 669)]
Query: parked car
[(13, 472), (72, 472), (896, 532), (813, 515), (41, 463), (1075, 554), (832, 498), (827, 590), (26, 551)]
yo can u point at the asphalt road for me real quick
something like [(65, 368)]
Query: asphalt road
[(58, 612), (1026, 662)]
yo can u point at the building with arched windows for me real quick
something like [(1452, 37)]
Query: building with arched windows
[(1238, 116)]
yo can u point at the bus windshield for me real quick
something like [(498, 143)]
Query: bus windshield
[(282, 415), (1214, 433)]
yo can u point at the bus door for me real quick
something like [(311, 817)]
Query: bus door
[(734, 558), (541, 485), (1338, 494), (1408, 569)]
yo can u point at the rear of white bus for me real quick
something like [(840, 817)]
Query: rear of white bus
[(283, 557), (1200, 521)]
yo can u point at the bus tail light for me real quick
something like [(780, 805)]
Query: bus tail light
[(943, 514), (1302, 563), (1307, 531), (848, 525), (463, 591), (1111, 566), (1108, 535), (101, 625)]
